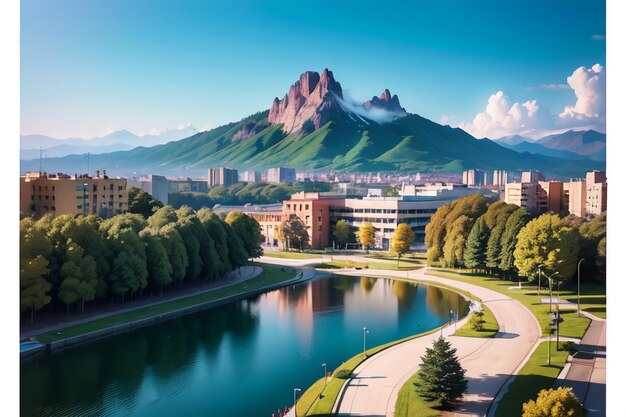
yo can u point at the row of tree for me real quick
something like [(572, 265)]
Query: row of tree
[(244, 193), (502, 238), (69, 260)]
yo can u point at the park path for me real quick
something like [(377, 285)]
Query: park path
[(489, 362)]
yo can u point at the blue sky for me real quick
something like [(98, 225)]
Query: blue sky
[(89, 67)]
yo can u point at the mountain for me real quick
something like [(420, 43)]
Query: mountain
[(512, 140), (315, 127), (584, 142), (115, 141)]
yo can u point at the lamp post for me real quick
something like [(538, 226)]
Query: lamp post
[(550, 333), (325, 378), (295, 390), (365, 331), (539, 282), (579, 262)]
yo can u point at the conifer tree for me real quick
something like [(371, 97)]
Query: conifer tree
[(476, 246), (440, 377)]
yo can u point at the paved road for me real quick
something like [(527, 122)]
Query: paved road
[(586, 373), (489, 362)]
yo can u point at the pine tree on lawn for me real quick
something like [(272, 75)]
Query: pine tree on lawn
[(475, 255), (440, 377)]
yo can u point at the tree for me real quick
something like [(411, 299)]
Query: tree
[(477, 320), (33, 286), (548, 242), (367, 235), (249, 230), (591, 233), (402, 239), (560, 402), (475, 255), (454, 246), (493, 254), (342, 232), (159, 266), (294, 232), (513, 225), (140, 202), (176, 251), (80, 277), (440, 378)]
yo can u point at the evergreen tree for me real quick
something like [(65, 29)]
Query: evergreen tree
[(514, 224), (440, 378), (249, 230), (475, 254), (494, 247)]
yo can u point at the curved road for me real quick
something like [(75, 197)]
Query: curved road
[(489, 362)]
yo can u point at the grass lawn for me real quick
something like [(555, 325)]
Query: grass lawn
[(490, 327), (319, 401), (533, 377), (291, 255), (272, 274), (404, 265), (410, 404), (572, 325)]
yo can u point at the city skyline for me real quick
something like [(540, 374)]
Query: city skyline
[(145, 69)]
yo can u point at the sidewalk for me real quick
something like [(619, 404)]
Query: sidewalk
[(585, 371)]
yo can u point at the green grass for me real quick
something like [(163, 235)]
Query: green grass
[(410, 404), (291, 255), (272, 274), (572, 325), (404, 266), (490, 327), (324, 398), (533, 377)]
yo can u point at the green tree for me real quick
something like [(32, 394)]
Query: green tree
[(140, 202), (591, 233), (367, 235), (493, 254), (548, 242), (176, 251), (216, 229), (33, 286), (161, 217), (402, 239), (293, 231), (159, 267), (80, 277), (249, 231), (440, 378), (513, 225), (560, 402), (342, 232), (475, 255), (477, 320), (129, 272), (601, 259)]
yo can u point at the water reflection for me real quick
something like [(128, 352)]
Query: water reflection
[(258, 348)]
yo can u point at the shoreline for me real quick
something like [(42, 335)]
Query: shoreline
[(298, 277)]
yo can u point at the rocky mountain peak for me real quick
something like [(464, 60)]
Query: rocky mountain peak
[(385, 101), (313, 97)]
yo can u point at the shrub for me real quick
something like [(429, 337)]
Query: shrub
[(559, 402), (343, 374)]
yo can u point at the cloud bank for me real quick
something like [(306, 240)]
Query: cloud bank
[(376, 114), (503, 117)]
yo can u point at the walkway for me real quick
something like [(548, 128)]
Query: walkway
[(586, 373), (489, 362)]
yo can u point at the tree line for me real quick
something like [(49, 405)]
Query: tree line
[(508, 240), (70, 260), (245, 193)]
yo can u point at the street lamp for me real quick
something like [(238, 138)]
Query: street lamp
[(539, 282), (325, 378), (579, 262), (295, 390), (365, 331), (550, 332)]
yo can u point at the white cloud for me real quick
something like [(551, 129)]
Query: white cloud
[(503, 117), (446, 119), (376, 114), (589, 85), (549, 87), (206, 128)]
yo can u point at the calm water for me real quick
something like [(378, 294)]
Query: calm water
[(240, 359)]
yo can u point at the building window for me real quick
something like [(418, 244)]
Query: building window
[(111, 187), (53, 188), (120, 188), (47, 197), (53, 198), (46, 188), (95, 187), (306, 206), (319, 219), (32, 197)]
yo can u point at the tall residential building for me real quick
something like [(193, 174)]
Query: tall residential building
[(155, 185), (500, 177), (526, 194), (314, 211), (250, 176), (596, 187), (556, 200), (57, 194), (280, 175), (532, 177), (474, 177), (222, 176), (577, 194)]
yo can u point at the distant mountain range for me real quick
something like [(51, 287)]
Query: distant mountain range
[(120, 140), (314, 127), (576, 145)]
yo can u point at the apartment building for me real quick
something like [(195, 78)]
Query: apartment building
[(532, 177), (314, 211), (500, 177), (155, 185), (56, 194), (281, 175), (250, 176), (596, 193), (222, 176), (526, 194)]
